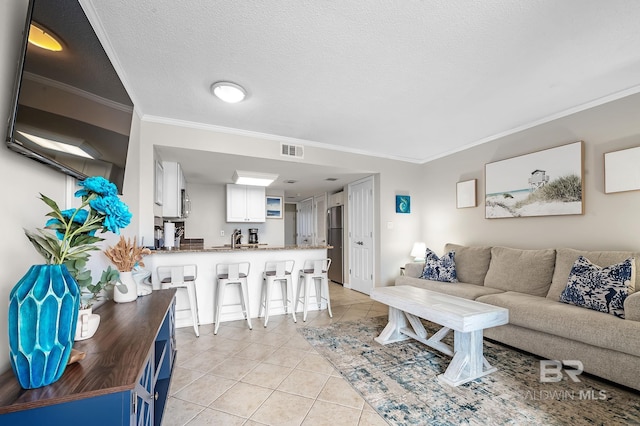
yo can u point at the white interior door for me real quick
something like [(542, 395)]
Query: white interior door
[(361, 235), (305, 222)]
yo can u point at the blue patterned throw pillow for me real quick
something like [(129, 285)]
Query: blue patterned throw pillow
[(600, 289), (440, 269)]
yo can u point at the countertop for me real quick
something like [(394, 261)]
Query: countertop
[(243, 248)]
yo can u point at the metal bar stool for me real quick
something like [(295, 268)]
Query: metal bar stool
[(182, 277), (277, 271), (232, 274), (314, 271)]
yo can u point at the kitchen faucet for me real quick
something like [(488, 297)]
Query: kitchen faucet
[(236, 238)]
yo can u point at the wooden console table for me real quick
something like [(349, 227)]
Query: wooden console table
[(123, 380)]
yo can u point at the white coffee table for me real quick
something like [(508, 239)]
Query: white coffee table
[(467, 318)]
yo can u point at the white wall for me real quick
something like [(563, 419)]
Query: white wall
[(23, 179), (610, 220)]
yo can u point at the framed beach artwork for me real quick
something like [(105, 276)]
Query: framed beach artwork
[(621, 171), (544, 183), (274, 207), (466, 194)]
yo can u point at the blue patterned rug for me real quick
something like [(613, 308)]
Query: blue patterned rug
[(399, 381)]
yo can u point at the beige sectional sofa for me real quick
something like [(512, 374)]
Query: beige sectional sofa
[(529, 284)]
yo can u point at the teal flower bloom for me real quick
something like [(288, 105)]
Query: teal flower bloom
[(75, 229), (116, 212), (79, 218), (97, 184)]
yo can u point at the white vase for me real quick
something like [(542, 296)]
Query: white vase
[(87, 324), (127, 280)]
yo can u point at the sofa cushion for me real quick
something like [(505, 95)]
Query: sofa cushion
[(565, 257), (414, 269), (568, 321), (524, 271), (472, 263), (601, 289), (465, 290), (439, 269)]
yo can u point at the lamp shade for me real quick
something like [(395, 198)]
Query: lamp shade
[(418, 251)]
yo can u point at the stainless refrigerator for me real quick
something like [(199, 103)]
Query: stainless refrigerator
[(334, 239)]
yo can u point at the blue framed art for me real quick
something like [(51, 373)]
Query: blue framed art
[(403, 204)]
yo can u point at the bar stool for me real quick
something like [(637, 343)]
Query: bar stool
[(313, 271), (182, 277), (232, 274), (277, 271)]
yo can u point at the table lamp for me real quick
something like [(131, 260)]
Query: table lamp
[(418, 251)]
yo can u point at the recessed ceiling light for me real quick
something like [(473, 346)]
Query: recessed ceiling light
[(41, 37), (242, 177), (228, 92)]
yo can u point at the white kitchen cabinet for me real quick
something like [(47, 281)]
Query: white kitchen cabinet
[(173, 187), (336, 199), (245, 203)]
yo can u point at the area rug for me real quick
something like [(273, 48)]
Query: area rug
[(399, 381)]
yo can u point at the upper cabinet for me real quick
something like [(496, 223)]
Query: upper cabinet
[(245, 203), (173, 190), (336, 199)]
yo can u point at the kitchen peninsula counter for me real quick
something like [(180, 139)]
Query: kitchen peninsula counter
[(206, 260), (241, 248)]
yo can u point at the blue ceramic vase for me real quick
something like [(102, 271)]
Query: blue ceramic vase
[(43, 312)]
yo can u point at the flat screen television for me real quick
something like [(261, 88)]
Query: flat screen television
[(70, 110)]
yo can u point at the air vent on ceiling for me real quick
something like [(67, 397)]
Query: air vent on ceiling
[(290, 181), (289, 150), (331, 179)]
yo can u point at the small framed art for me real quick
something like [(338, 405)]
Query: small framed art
[(466, 194), (403, 204), (274, 207)]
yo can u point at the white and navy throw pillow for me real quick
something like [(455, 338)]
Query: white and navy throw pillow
[(440, 269), (601, 289)]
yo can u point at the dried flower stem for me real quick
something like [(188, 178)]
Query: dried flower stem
[(126, 254)]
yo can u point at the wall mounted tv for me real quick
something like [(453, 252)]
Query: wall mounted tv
[(71, 110)]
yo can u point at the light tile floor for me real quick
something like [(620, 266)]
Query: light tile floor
[(267, 376)]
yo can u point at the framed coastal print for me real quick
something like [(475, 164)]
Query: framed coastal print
[(621, 171), (274, 207), (544, 183), (466, 194), (403, 204), (159, 179)]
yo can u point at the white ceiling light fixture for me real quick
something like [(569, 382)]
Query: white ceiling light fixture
[(228, 92), (242, 177), (43, 38)]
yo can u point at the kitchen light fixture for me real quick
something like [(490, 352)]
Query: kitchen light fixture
[(65, 144), (418, 251), (41, 37), (242, 177), (228, 92)]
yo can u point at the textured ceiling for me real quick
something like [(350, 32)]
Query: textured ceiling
[(410, 79)]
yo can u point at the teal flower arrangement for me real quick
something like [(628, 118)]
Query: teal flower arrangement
[(74, 235), (43, 305)]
